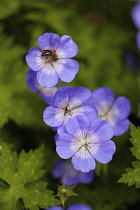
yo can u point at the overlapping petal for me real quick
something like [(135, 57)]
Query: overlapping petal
[(33, 59), (32, 81), (103, 151), (53, 116), (64, 146), (83, 161), (78, 126), (100, 131), (79, 95), (62, 97), (66, 69), (68, 48), (48, 76), (48, 41)]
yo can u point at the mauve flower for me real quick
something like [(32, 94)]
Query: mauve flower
[(86, 142), (52, 61), (135, 14), (69, 176), (114, 111), (77, 206)]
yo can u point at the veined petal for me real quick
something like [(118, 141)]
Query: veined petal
[(32, 81), (77, 126), (123, 106), (66, 69), (47, 76), (68, 48), (53, 116), (49, 41), (83, 161), (64, 146), (88, 111), (104, 151), (33, 59), (100, 96), (79, 95), (120, 127), (62, 97), (100, 131)]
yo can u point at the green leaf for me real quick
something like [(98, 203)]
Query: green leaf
[(133, 174), (21, 185)]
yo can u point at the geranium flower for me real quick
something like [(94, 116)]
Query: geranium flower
[(47, 94), (69, 176), (114, 111), (52, 62), (67, 104), (77, 206), (86, 142)]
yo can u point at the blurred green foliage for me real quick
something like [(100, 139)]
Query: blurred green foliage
[(103, 31)]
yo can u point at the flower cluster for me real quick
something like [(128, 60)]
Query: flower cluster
[(135, 14), (72, 207), (85, 121)]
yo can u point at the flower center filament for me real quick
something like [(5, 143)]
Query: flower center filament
[(49, 56), (68, 111)]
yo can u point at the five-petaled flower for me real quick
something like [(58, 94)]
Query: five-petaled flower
[(69, 176), (86, 142), (67, 104), (114, 111), (52, 62)]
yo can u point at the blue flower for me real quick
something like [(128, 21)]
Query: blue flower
[(86, 142), (47, 94), (114, 111), (52, 62), (70, 176), (67, 104), (77, 206)]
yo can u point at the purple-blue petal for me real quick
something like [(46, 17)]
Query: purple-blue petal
[(83, 164), (31, 59), (101, 129), (90, 112), (104, 151), (62, 97), (120, 127), (79, 206), (32, 81), (79, 95), (51, 117), (101, 94), (63, 146), (78, 124), (123, 105), (135, 14), (66, 69), (49, 41), (86, 178), (47, 76), (68, 48), (58, 169)]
